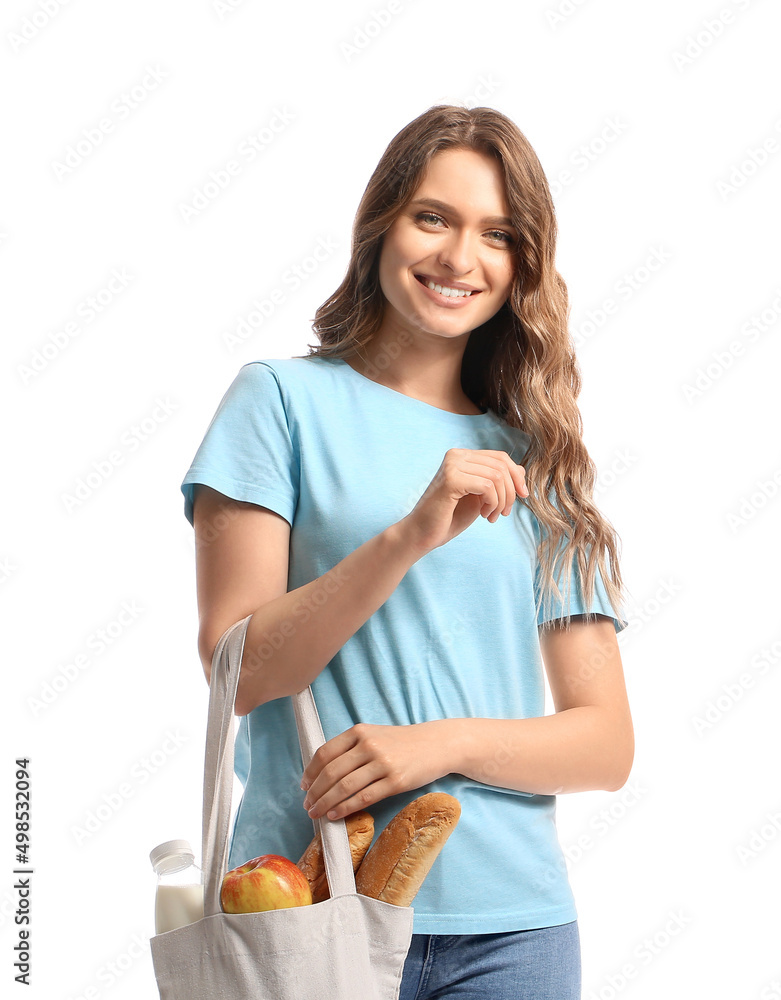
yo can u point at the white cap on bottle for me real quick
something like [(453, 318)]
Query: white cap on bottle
[(171, 856)]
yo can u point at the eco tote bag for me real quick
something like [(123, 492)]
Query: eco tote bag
[(348, 947)]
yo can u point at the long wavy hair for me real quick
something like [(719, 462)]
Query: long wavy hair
[(521, 362)]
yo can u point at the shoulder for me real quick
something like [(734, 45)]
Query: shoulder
[(289, 373), (301, 367), (295, 388)]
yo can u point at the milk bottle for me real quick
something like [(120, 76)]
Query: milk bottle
[(179, 898)]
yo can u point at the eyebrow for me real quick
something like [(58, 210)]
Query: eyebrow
[(491, 220)]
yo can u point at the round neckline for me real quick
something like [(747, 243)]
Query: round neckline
[(412, 399)]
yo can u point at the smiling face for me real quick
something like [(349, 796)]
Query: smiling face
[(455, 235)]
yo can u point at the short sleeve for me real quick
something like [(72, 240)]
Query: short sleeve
[(571, 601), (247, 452)]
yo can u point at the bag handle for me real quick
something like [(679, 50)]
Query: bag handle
[(218, 774)]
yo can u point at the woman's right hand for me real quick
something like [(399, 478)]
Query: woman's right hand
[(468, 483)]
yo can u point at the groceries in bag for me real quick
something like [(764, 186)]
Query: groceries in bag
[(394, 868), (360, 831), (269, 882), (179, 896)]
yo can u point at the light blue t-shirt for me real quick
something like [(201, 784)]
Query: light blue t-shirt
[(341, 457)]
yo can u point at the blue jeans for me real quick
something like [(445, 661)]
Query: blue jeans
[(538, 964)]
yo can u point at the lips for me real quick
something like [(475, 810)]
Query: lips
[(444, 283)]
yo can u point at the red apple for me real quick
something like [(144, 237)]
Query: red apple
[(269, 882)]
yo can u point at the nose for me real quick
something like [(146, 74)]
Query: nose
[(459, 253)]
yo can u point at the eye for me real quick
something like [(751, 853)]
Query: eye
[(502, 236), (496, 235), (425, 216)]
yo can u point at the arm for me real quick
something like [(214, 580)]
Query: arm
[(242, 568), (587, 744)]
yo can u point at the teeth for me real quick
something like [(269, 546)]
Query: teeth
[(447, 292)]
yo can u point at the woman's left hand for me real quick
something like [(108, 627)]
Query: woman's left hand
[(367, 763)]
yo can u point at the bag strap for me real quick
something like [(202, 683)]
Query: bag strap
[(218, 774)]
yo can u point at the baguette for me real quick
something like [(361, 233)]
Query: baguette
[(395, 866), (360, 830)]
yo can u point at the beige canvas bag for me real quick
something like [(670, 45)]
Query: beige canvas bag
[(348, 947)]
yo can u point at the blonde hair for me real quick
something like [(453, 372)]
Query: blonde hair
[(520, 363)]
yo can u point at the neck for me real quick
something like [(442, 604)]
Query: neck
[(431, 372), (432, 378)]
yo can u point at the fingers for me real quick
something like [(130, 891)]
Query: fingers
[(323, 756), (355, 769), (339, 801), (337, 774), (368, 763), (497, 479), (349, 782)]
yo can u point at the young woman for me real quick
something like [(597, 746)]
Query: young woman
[(406, 513)]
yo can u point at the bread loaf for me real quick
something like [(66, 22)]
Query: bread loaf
[(360, 830), (395, 866)]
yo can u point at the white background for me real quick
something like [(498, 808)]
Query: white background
[(666, 116)]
